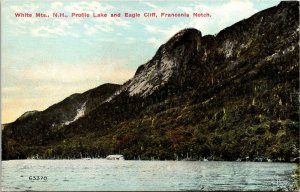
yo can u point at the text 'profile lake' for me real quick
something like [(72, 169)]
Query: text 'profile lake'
[(100, 174)]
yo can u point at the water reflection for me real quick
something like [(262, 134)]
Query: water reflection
[(145, 175)]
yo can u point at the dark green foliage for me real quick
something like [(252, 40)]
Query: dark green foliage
[(232, 96)]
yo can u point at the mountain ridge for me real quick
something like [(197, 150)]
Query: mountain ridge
[(197, 96)]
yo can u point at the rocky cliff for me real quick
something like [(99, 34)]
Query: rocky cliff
[(225, 97)]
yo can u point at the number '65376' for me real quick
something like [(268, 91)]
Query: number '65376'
[(38, 178)]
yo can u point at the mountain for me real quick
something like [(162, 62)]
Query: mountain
[(42, 126), (231, 96)]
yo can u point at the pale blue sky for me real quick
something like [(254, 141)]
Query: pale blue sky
[(46, 60)]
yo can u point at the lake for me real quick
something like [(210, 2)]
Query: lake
[(101, 174)]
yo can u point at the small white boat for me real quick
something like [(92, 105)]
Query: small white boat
[(115, 157)]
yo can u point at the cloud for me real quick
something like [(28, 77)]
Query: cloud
[(154, 41), (56, 5), (11, 89), (230, 12), (153, 28), (38, 86), (89, 30), (151, 5), (106, 71), (161, 35), (155, 8), (73, 27), (88, 7), (25, 8), (222, 16), (58, 28), (20, 24), (186, 9), (96, 25)]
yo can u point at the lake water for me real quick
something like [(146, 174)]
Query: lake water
[(100, 174)]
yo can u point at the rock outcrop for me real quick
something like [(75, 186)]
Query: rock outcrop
[(225, 97)]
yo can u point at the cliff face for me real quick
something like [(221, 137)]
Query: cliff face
[(224, 97)]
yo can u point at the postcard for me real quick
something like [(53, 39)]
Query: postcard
[(130, 95)]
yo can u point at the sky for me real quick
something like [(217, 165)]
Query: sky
[(44, 60)]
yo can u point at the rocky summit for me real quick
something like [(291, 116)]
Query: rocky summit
[(231, 96)]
